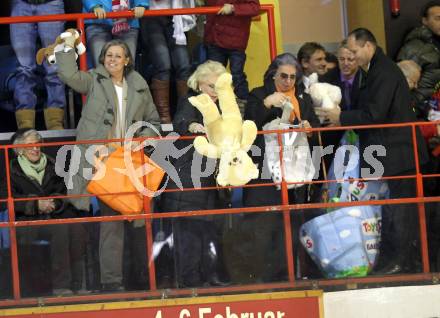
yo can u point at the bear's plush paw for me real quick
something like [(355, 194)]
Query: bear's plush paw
[(224, 81), (204, 148), (201, 101)]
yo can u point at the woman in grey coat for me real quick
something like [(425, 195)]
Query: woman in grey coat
[(117, 97)]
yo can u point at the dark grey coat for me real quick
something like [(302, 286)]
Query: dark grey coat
[(420, 47)]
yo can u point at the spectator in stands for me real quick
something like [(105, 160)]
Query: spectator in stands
[(227, 36), (348, 77), (422, 45), (265, 104), (412, 72), (101, 30), (430, 133), (195, 237), (331, 60), (165, 39), (383, 99), (24, 42), (117, 96), (311, 57), (33, 174)]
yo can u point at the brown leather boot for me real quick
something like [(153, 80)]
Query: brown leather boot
[(54, 118), (25, 118), (161, 97), (182, 88)]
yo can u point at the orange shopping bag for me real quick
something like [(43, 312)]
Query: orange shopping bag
[(118, 177)]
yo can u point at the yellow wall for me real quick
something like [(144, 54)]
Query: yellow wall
[(258, 57), (311, 20), (297, 21), (368, 14)]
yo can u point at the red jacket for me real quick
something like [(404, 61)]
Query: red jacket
[(428, 132), (231, 31)]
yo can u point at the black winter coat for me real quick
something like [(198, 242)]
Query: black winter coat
[(23, 186), (385, 99), (189, 200), (421, 47), (257, 112)]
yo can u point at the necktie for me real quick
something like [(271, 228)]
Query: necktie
[(347, 95)]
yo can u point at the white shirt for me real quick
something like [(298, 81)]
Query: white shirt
[(119, 95)]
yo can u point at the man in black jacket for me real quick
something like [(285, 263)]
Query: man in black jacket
[(384, 98), (422, 45)]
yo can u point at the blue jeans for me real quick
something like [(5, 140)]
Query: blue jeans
[(165, 54), (24, 42), (236, 63), (99, 34)]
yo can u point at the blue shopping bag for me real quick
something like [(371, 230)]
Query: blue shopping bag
[(5, 241), (346, 166), (344, 242)]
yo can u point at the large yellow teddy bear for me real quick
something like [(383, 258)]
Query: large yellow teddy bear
[(230, 138)]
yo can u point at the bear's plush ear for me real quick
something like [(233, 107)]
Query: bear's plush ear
[(73, 32), (41, 54), (58, 40)]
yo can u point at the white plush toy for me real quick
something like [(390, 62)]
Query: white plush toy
[(229, 137), (59, 45), (323, 94)]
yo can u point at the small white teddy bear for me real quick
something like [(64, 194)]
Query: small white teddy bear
[(324, 95)]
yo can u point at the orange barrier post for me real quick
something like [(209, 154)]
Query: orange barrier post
[(12, 231), (271, 29), (148, 232), (421, 206), (286, 217)]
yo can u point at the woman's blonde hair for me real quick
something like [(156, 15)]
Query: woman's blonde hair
[(117, 42), (203, 71)]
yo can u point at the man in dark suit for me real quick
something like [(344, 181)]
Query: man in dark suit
[(384, 98), (348, 77)]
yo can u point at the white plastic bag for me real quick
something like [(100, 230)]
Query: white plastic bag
[(297, 160)]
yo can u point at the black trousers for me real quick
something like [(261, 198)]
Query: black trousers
[(399, 225), (196, 250), (58, 237)]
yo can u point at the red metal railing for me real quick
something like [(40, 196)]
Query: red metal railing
[(80, 17), (285, 207)]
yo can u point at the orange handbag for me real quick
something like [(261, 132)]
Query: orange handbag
[(116, 178)]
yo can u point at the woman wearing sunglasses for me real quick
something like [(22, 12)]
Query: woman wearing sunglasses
[(265, 103)]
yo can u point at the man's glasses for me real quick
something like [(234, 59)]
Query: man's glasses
[(286, 76)]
